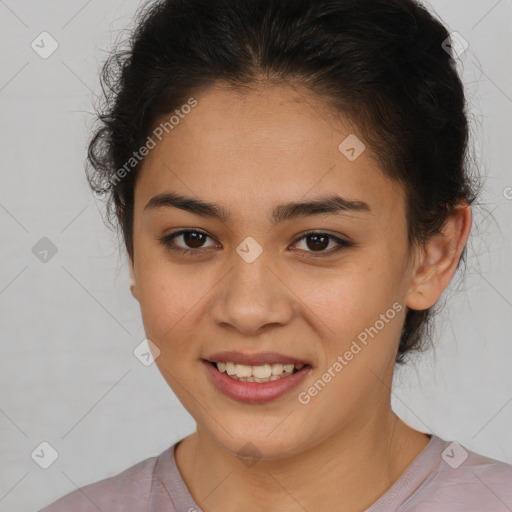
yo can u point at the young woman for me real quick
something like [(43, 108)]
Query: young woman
[(291, 181)]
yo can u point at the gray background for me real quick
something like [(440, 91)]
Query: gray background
[(68, 375)]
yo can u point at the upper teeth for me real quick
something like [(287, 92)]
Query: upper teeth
[(262, 371)]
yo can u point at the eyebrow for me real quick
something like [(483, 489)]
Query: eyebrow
[(332, 204)]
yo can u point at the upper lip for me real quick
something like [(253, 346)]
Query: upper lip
[(254, 359)]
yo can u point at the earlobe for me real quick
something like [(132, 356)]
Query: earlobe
[(438, 259), (133, 283)]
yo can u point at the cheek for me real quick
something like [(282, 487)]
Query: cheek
[(169, 297), (361, 310), (352, 296)]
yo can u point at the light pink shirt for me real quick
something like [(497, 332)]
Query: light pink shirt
[(440, 479)]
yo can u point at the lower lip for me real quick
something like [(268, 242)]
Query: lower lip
[(255, 392)]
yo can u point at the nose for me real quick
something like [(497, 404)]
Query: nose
[(252, 297)]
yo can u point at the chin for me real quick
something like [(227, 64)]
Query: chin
[(254, 446)]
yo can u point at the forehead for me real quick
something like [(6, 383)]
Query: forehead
[(254, 148)]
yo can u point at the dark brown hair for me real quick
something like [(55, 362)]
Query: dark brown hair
[(382, 63)]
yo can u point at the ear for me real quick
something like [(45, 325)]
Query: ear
[(437, 261), (133, 281)]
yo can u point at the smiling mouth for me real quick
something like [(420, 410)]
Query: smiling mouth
[(266, 372)]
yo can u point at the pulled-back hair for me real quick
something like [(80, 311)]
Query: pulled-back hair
[(381, 63)]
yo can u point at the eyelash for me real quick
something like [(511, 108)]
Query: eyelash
[(168, 239)]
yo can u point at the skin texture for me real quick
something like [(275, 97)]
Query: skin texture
[(248, 152)]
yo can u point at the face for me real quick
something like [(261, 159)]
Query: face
[(254, 280)]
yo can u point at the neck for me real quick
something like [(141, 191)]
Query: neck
[(350, 469)]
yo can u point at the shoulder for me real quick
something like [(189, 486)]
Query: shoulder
[(128, 490), (465, 480)]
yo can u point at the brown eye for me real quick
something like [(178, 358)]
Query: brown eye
[(193, 240), (318, 242)]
